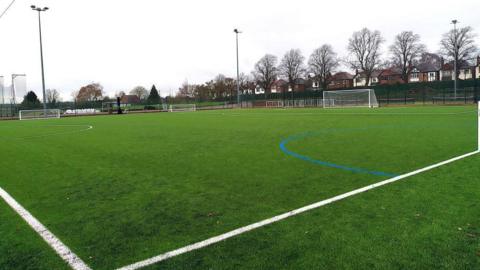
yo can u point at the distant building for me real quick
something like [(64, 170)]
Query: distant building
[(341, 80), (360, 79), (299, 85), (391, 75), (477, 68), (465, 71), (279, 86)]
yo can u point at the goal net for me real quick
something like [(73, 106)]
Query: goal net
[(274, 104), (182, 108), (350, 98), (39, 114)]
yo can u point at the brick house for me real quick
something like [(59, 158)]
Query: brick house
[(279, 86), (425, 72), (341, 80), (299, 85), (391, 75)]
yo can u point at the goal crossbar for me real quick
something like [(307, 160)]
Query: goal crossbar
[(350, 98), (182, 108)]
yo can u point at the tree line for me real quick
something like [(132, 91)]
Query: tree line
[(364, 56), (94, 92)]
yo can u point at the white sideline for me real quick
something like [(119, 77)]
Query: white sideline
[(62, 250), (265, 222)]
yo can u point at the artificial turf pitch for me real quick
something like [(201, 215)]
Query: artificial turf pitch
[(136, 186)]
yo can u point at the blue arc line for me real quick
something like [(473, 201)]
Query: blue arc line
[(284, 149)]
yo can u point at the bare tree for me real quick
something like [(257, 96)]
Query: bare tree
[(323, 61), (265, 72), (247, 83), (429, 61), (220, 85), (364, 48), (405, 49), (292, 67), (140, 91), (120, 94), (52, 96), (186, 90), (464, 38)]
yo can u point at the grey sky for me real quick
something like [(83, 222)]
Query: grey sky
[(125, 43)]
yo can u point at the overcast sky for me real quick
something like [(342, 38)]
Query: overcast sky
[(125, 43)]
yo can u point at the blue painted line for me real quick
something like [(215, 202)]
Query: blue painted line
[(284, 149)]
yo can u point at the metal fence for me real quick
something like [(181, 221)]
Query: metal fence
[(438, 93)]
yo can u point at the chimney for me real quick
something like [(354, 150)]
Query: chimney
[(478, 60), (442, 61)]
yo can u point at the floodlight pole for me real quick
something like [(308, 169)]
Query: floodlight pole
[(455, 50), (40, 10), (13, 101), (238, 68)]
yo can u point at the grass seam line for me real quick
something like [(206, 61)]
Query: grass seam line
[(222, 237), (60, 248)]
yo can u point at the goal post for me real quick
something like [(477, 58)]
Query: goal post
[(274, 104), (350, 98), (182, 108), (39, 114)]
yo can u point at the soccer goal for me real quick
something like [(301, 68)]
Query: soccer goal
[(350, 98), (182, 108), (39, 114), (274, 104)]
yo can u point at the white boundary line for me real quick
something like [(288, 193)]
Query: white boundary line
[(87, 127), (265, 222), (62, 250)]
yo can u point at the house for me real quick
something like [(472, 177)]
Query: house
[(477, 68), (341, 80), (279, 86), (414, 75), (426, 72), (313, 81), (130, 99), (360, 79), (299, 85), (391, 75), (465, 71)]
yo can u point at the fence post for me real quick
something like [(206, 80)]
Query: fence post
[(424, 95), (388, 96)]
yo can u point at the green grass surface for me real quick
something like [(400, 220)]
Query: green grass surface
[(21, 247), (136, 186)]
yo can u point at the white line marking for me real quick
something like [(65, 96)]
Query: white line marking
[(265, 222), (62, 250), (87, 127)]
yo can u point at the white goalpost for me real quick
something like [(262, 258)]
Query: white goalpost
[(274, 104), (39, 114), (182, 108), (350, 98)]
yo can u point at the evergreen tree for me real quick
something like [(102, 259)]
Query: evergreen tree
[(154, 97), (30, 101)]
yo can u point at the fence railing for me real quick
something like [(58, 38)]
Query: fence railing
[(438, 93)]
